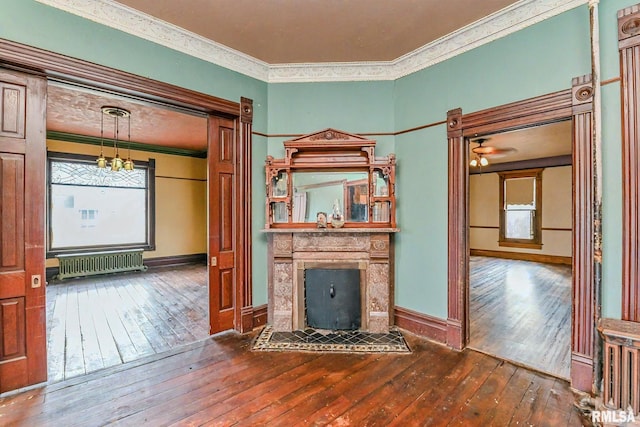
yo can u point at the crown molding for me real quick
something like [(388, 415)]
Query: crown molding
[(136, 23), (492, 27)]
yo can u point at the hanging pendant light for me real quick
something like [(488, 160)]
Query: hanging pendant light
[(116, 163), (128, 164), (101, 161)]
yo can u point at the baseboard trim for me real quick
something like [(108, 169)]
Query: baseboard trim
[(581, 372), (260, 316), (172, 260), (421, 324), (548, 259)]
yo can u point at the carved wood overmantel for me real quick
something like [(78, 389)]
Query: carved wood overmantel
[(344, 166)]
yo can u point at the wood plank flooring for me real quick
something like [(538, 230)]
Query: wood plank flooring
[(521, 311), (219, 381), (102, 321)]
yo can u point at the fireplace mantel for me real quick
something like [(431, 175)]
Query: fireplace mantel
[(332, 230), (292, 250)]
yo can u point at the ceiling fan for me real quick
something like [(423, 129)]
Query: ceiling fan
[(482, 151)]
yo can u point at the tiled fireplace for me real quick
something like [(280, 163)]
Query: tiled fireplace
[(293, 251)]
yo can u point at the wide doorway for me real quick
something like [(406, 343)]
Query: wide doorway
[(95, 216), (520, 236)]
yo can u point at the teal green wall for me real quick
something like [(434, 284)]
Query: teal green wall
[(525, 64), (611, 159), (354, 107), (534, 61)]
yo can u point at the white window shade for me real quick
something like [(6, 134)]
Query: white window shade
[(520, 191)]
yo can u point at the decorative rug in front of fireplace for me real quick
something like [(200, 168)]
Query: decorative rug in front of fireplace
[(331, 341)]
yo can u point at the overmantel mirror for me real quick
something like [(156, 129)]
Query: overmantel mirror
[(330, 176)]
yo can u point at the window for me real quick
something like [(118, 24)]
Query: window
[(520, 209), (96, 209)]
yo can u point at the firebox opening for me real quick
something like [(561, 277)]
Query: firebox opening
[(332, 298)]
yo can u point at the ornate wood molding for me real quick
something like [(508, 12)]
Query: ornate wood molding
[(246, 321), (629, 46), (583, 315), (458, 261), (535, 111), (85, 73)]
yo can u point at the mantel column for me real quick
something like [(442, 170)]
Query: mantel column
[(280, 310)]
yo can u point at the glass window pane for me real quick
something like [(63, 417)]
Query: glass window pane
[(96, 216), (518, 224)]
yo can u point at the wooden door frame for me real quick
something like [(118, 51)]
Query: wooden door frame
[(62, 68), (574, 104)]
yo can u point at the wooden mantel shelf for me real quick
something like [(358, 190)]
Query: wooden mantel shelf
[(331, 230)]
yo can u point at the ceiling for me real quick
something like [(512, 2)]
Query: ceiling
[(78, 111), (287, 31)]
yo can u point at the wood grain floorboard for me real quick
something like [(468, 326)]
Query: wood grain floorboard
[(102, 321), (521, 311), (220, 381)]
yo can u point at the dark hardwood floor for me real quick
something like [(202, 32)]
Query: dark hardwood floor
[(220, 381), (521, 311), (102, 321)]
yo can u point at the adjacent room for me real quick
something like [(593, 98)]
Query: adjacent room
[(126, 230), (520, 222)]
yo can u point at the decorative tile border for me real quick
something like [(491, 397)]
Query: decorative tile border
[(340, 342), (492, 27)]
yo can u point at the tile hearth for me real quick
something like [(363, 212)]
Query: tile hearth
[(331, 341)]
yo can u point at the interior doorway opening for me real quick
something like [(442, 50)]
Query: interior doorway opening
[(520, 241), (96, 318)]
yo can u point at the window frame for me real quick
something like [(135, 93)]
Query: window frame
[(148, 245), (536, 241)]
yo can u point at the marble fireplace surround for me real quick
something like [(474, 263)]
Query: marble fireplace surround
[(291, 251)]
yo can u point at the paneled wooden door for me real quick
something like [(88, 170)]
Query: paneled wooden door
[(222, 227), (23, 356)]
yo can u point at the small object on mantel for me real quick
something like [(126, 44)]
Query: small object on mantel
[(321, 220), (337, 220)]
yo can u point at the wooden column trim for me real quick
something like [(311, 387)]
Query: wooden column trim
[(629, 46), (245, 322), (583, 292), (458, 260)]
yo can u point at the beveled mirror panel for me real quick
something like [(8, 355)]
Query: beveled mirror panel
[(320, 191)]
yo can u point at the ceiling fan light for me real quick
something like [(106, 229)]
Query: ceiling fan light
[(484, 161), (473, 163)]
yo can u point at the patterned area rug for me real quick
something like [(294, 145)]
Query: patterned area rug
[(331, 341)]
